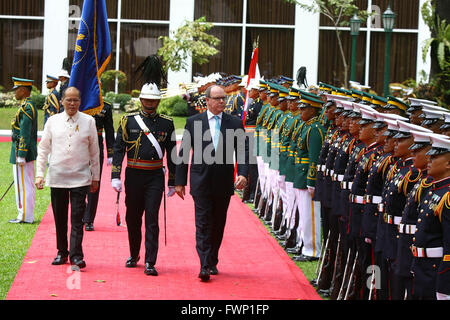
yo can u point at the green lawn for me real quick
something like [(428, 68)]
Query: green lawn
[(8, 114)]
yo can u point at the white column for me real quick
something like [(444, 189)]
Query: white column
[(180, 10), (306, 44), (423, 34), (56, 26)]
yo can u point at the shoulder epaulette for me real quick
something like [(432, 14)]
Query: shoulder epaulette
[(132, 114), (424, 184), (408, 178), (445, 201), (166, 117)]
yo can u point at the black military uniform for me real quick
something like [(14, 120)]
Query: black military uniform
[(430, 268), (334, 167), (250, 125), (358, 149), (406, 230), (144, 176), (323, 194), (103, 121), (431, 241)]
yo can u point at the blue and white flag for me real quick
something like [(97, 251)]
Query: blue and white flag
[(92, 54)]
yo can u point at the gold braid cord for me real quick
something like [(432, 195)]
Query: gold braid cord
[(445, 201)]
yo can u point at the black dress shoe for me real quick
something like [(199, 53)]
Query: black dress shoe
[(60, 259), (78, 264), (18, 221), (89, 226), (213, 271), (204, 275), (303, 258), (150, 270), (132, 262), (295, 250)]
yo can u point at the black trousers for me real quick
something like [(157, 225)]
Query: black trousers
[(210, 218), (144, 190), (253, 179), (60, 198), (92, 198)]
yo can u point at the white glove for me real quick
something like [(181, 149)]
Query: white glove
[(116, 184), (20, 161), (109, 162), (311, 190), (171, 191), (368, 240)]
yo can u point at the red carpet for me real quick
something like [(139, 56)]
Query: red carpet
[(252, 265)]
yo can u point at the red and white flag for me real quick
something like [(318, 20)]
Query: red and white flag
[(253, 73)]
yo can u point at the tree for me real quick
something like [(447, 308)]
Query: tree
[(189, 40), (435, 14), (440, 37), (339, 13)]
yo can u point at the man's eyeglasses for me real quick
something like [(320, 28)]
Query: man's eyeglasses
[(72, 100), (218, 98)]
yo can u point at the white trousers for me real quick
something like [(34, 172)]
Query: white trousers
[(289, 214), (261, 173), (25, 191), (309, 223), (279, 191)]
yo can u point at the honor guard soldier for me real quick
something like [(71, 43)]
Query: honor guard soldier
[(64, 82), (445, 128), (309, 144), (367, 135), (323, 192), (24, 151), (278, 186), (407, 226), (199, 98), (415, 109), (235, 99), (267, 125), (292, 118), (395, 106), (400, 181), (374, 187), (51, 105), (335, 165), (103, 122), (144, 137), (433, 118), (356, 150), (431, 245), (250, 126), (293, 232), (272, 160), (348, 149), (263, 96), (378, 103)]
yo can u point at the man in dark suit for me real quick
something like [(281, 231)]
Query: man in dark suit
[(213, 137)]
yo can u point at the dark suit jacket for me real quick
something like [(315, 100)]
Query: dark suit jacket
[(214, 177)]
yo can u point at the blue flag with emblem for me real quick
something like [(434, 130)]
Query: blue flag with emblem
[(92, 54)]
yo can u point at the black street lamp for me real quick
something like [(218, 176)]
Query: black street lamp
[(355, 24), (388, 24)]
